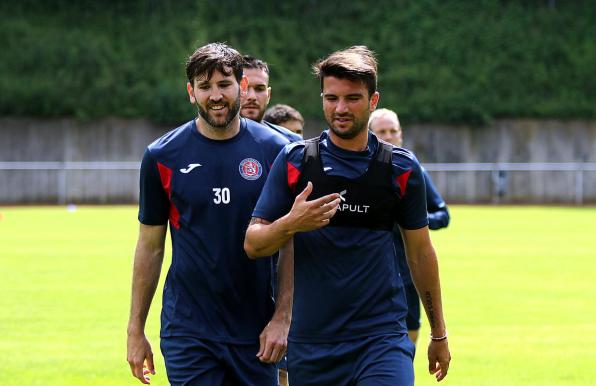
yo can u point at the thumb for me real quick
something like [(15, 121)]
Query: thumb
[(306, 192)]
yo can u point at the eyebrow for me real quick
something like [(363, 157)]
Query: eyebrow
[(348, 96)]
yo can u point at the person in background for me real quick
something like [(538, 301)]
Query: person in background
[(286, 116), (258, 95), (385, 124)]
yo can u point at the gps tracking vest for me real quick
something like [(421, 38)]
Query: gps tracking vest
[(368, 201)]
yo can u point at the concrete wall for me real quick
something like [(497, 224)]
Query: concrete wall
[(118, 140), (67, 140)]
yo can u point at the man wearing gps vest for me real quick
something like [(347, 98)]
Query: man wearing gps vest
[(337, 197)]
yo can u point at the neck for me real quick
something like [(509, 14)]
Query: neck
[(218, 133), (358, 143)]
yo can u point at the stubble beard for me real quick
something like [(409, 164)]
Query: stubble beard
[(229, 118), (358, 126)]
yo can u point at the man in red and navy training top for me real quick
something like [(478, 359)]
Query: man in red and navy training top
[(337, 197), (218, 325)]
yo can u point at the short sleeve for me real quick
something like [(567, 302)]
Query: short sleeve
[(276, 198), (411, 208), (154, 204)]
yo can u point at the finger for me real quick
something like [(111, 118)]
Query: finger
[(324, 199), (262, 343), (444, 369), (433, 366), (305, 193), (266, 356), (330, 206), (137, 371), (150, 365), (277, 352)]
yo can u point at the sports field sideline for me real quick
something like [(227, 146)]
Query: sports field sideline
[(519, 287)]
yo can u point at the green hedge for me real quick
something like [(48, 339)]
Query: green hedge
[(447, 61)]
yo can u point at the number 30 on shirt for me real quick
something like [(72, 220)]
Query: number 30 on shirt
[(221, 195)]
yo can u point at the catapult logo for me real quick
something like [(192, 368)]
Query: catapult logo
[(344, 206)]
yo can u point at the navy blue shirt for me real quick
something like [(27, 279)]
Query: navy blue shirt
[(346, 281), (438, 217), (289, 134), (207, 190)]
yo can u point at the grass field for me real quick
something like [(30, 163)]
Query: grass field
[(519, 287)]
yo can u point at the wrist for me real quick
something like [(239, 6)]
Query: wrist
[(135, 329), (282, 315), (286, 225), (439, 337)]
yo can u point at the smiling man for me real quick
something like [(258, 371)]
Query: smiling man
[(218, 325), (348, 320)]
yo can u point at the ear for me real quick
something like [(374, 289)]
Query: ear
[(191, 95), (268, 94), (244, 84), (374, 99)]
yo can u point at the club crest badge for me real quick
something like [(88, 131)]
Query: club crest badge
[(250, 169)]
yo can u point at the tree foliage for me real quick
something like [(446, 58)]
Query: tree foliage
[(447, 61)]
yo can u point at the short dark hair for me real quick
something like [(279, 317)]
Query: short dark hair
[(353, 63), (211, 57), (278, 114), (252, 62)]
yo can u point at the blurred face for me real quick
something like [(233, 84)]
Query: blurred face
[(294, 125), (347, 106), (217, 99), (258, 94), (388, 129)]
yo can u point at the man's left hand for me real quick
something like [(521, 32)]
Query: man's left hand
[(273, 341)]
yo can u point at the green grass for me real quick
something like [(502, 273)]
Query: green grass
[(518, 285)]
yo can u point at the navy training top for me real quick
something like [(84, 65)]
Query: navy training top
[(289, 134), (207, 190), (346, 281)]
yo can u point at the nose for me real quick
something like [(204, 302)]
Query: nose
[(216, 95), (341, 107), (250, 94)]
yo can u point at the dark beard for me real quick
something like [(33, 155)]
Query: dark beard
[(357, 128), (231, 115)]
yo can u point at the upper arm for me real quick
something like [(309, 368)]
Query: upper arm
[(258, 220), (151, 239), (416, 239)]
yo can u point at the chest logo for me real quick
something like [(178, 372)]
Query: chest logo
[(189, 168), (346, 207), (250, 169)]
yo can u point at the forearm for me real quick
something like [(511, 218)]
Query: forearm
[(425, 274), (264, 238), (285, 283), (146, 270)]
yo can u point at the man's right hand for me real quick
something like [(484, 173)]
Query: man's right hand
[(140, 357), (315, 214)]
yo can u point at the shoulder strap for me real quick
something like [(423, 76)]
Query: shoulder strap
[(311, 150), (384, 152)]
